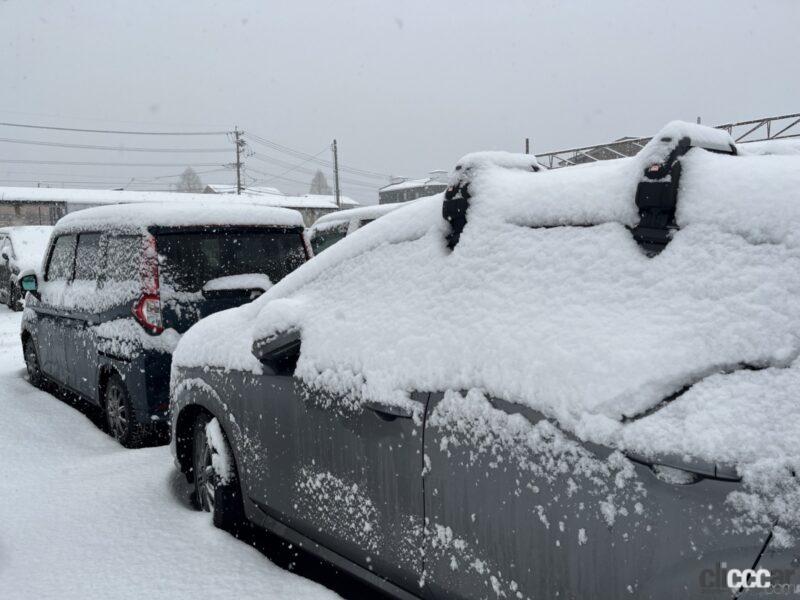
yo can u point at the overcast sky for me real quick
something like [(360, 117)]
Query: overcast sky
[(405, 86)]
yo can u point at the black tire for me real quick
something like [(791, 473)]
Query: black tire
[(35, 375), (119, 416), (222, 499)]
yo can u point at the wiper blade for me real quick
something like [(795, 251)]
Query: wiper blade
[(672, 397)]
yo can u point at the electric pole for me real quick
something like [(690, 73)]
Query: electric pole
[(239, 143), (336, 175), (527, 145)]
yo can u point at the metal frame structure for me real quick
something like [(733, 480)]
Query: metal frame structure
[(756, 130)]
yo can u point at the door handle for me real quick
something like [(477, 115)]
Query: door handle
[(390, 412)]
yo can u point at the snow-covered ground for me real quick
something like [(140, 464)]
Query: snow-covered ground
[(81, 517)]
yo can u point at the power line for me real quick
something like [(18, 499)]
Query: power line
[(351, 182), (59, 175), (305, 155), (115, 148), (103, 164), (115, 131), (298, 167)]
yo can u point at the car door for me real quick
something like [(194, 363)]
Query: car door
[(346, 474), (79, 342), (516, 508), (51, 310)]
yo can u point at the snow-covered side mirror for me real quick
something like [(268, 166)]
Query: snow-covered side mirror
[(279, 352), (4, 256)]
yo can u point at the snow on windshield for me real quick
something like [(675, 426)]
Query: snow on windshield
[(575, 322)]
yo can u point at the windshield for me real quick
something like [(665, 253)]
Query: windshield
[(189, 259)]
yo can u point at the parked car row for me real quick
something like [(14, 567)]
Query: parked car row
[(21, 251), (539, 384)]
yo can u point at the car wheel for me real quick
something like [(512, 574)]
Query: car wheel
[(119, 415), (32, 364), (216, 492)]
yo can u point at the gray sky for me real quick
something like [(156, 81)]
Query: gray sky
[(405, 86)]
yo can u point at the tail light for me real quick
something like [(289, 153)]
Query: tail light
[(147, 309)]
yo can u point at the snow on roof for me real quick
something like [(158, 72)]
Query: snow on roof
[(411, 183), (659, 147), (94, 197), (83, 196), (29, 243), (362, 213), (575, 322), (137, 216)]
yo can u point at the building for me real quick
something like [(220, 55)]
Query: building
[(311, 206), (404, 189), (45, 206)]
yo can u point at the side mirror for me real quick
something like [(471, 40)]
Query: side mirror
[(4, 256), (29, 283), (279, 352)]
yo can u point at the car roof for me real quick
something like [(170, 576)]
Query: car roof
[(129, 217), (362, 213)]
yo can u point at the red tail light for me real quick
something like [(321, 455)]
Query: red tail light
[(147, 309)]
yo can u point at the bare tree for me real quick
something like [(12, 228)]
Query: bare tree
[(189, 182), (319, 185)]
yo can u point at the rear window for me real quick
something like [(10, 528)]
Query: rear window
[(62, 259), (189, 259), (325, 238)]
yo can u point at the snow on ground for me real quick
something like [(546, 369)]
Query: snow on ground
[(81, 517)]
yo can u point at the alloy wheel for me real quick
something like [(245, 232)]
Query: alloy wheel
[(117, 412), (31, 362), (206, 476)]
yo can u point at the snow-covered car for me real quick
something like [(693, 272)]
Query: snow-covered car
[(330, 228), (584, 386), (122, 283), (21, 250)]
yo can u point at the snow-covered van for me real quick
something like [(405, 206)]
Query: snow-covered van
[(577, 383), (120, 284), (330, 228), (21, 251)]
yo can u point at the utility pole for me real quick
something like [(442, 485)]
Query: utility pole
[(336, 175), (239, 143), (527, 145)]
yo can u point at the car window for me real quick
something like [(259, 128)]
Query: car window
[(123, 258), (325, 238), (62, 258), (87, 257), (190, 259)]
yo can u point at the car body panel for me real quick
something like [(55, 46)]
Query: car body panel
[(518, 508)]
